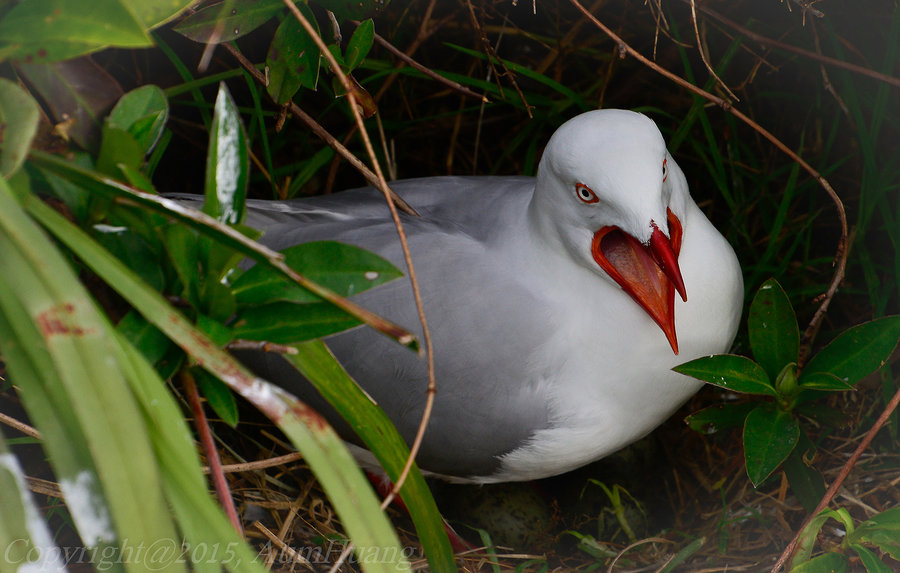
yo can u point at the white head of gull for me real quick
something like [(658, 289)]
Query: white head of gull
[(551, 301)]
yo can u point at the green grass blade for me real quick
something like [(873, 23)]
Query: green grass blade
[(59, 350), (24, 535), (318, 365), (340, 477), (202, 522)]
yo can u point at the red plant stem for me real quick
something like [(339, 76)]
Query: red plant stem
[(223, 492), (836, 484)]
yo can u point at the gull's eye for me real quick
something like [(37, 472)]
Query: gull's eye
[(585, 193), (665, 169)]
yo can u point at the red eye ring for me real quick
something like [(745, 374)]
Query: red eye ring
[(585, 194), (665, 170)]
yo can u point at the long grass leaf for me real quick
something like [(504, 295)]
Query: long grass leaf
[(340, 477)]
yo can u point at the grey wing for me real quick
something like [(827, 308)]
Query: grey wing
[(463, 294)]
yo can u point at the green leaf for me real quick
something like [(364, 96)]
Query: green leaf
[(118, 147), (142, 113), (156, 12), (356, 10), (345, 269), (359, 45), (232, 237), (719, 417), (770, 435), (881, 530), (287, 323), (323, 449), (227, 162), (146, 338), (293, 58), (18, 124), (856, 352), (200, 519), (78, 93), (774, 335), (134, 251), (226, 21), (825, 381), (869, 560), (319, 366), (219, 397), (806, 482), (829, 562), (683, 555), (729, 371), (807, 539), (61, 29)]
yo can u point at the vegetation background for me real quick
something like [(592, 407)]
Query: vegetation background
[(821, 76)]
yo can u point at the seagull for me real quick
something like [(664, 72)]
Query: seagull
[(557, 305)]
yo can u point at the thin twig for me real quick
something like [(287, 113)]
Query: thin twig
[(428, 72), (258, 464), (840, 258), (760, 39), (839, 480), (209, 447), (703, 57), (322, 133), (262, 345), (20, 426), (282, 546), (383, 186)]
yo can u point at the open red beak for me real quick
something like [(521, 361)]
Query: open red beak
[(648, 273)]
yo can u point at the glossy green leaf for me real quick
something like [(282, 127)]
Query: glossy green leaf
[(325, 452), (118, 147), (59, 349), (293, 58), (142, 113), (78, 93), (227, 162), (770, 435), (827, 563), (359, 45), (156, 12), (719, 417), (881, 530), (60, 29), (354, 9), (287, 323), (806, 482), (869, 560), (18, 124), (320, 367), (146, 338), (825, 381), (345, 269), (224, 21), (823, 414), (772, 324), (230, 236), (219, 397), (134, 251), (729, 371), (856, 352)]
